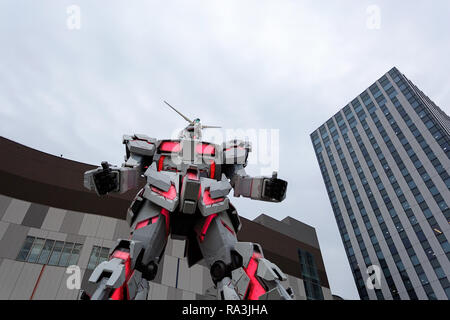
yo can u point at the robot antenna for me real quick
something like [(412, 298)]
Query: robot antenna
[(184, 117)]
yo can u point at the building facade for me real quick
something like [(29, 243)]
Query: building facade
[(49, 222), (384, 159)]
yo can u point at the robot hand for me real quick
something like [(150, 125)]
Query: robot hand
[(106, 179), (274, 189)]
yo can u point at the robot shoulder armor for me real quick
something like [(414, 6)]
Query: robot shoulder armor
[(140, 144), (236, 151)]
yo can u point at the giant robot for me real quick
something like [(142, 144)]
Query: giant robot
[(186, 196)]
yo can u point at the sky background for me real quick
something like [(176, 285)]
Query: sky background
[(287, 65)]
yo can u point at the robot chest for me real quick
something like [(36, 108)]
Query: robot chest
[(186, 191), (177, 155), (207, 168)]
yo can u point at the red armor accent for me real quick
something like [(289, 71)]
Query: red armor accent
[(170, 194), (226, 226), (146, 222), (142, 224), (118, 294), (170, 146), (166, 214), (255, 289), (203, 148), (212, 170), (206, 226), (161, 163), (207, 200)]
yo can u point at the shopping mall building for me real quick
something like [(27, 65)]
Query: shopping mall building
[(48, 221)]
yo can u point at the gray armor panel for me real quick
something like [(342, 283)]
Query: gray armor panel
[(220, 188), (217, 246), (115, 268), (141, 147), (269, 271), (236, 152), (160, 179), (245, 249), (145, 247), (240, 281)]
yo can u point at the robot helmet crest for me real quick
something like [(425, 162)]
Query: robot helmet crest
[(194, 129)]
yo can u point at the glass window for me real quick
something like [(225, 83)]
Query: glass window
[(310, 276), (63, 261), (47, 251), (103, 256), (93, 258), (54, 258), (98, 255), (23, 254), (48, 246), (36, 250), (75, 254)]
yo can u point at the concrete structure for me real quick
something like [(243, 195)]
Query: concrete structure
[(49, 221), (385, 160)]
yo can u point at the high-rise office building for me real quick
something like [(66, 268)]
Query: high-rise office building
[(384, 159)]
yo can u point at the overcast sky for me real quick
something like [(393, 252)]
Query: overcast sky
[(287, 65)]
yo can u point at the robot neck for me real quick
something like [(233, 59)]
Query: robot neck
[(191, 133)]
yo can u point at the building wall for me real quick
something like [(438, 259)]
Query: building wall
[(24, 280), (385, 161)]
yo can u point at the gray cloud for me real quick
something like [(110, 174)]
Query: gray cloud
[(253, 64)]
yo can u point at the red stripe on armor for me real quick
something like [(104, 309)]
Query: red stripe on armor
[(255, 289), (170, 146), (207, 200), (241, 148), (207, 149), (142, 224), (161, 163), (165, 213), (170, 194), (212, 169), (191, 175), (206, 226), (118, 294), (226, 226), (146, 222)]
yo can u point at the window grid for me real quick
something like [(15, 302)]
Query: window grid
[(98, 255), (310, 276), (51, 252)]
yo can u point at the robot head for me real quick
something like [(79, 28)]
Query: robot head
[(193, 131)]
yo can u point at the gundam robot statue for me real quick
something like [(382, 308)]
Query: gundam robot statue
[(185, 196)]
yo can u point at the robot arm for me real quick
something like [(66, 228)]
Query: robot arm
[(105, 179), (269, 189), (235, 154)]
